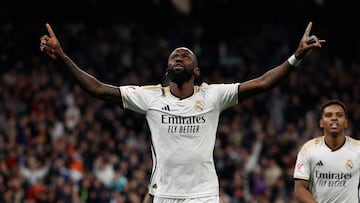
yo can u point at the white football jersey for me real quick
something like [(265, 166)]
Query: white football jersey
[(183, 133), (333, 175)]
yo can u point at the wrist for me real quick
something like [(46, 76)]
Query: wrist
[(293, 61)]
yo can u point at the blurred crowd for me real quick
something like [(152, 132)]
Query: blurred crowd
[(60, 145)]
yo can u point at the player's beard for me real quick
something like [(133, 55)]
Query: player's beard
[(179, 77)]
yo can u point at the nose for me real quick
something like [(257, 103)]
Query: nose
[(179, 59)]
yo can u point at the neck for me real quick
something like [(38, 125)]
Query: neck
[(334, 142), (182, 91)]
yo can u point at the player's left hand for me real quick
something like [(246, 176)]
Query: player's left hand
[(308, 43)]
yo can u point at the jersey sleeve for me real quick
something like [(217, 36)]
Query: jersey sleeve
[(133, 98), (225, 95), (302, 165)]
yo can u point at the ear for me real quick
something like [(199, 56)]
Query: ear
[(166, 73), (346, 123), (197, 71), (321, 123)]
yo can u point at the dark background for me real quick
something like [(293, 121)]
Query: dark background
[(334, 21)]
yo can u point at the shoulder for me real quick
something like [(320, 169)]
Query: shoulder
[(217, 86), (154, 91), (140, 91), (352, 141), (147, 88), (310, 144), (151, 87)]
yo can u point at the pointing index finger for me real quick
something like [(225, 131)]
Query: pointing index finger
[(307, 31), (50, 30)]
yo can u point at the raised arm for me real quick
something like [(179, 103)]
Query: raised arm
[(274, 76), (51, 45)]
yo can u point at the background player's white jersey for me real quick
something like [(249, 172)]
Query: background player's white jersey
[(183, 135), (333, 175)]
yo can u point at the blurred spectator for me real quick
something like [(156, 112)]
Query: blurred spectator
[(72, 113), (104, 170), (34, 170)]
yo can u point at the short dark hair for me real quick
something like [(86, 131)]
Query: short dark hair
[(331, 102)]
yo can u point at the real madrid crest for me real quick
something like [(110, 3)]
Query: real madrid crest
[(199, 106), (349, 164)]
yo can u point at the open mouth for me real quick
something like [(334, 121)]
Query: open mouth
[(334, 125), (178, 68)]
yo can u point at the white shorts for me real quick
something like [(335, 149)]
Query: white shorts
[(209, 199)]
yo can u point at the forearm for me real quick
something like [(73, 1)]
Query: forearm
[(304, 196), (88, 82), (302, 193), (148, 198), (273, 77), (83, 79), (265, 82)]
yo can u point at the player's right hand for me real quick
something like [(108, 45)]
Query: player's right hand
[(50, 44)]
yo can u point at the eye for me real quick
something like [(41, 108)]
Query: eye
[(327, 114), (340, 115), (186, 56)]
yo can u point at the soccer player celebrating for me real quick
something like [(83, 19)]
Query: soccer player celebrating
[(182, 117)]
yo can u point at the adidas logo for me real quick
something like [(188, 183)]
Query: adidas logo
[(154, 186), (166, 108), (320, 163)]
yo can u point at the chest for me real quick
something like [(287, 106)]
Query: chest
[(185, 107), (345, 160)]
